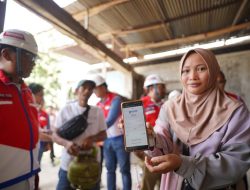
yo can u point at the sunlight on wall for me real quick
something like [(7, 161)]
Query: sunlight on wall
[(23, 19)]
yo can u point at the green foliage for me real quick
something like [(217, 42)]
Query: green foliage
[(71, 94), (46, 72)]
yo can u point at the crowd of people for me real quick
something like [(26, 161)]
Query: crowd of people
[(201, 132)]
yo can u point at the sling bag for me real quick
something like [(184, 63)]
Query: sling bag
[(75, 126)]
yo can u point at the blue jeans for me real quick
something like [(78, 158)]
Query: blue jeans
[(64, 184), (114, 152), (41, 150)]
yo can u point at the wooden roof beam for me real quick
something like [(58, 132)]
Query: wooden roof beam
[(120, 43), (124, 32), (51, 12), (97, 9), (242, 7), (186, 40)]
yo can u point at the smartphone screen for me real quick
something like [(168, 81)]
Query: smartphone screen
[(134, 126)]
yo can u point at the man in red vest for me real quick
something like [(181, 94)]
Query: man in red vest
[(155, 88), (114, 151), (18, 116)]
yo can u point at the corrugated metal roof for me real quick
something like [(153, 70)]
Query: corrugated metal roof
[(134, 25)]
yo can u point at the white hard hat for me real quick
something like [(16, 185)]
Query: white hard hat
[(19, 39), (173, 94), (152, 79), (99, 80), (86, 79)]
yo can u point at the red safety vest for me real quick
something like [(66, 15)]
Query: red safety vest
[(151, 110), (105, 106), (19, 133), (43, 119)]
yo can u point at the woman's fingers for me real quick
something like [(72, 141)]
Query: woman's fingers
[(148, 163), (149, 129)]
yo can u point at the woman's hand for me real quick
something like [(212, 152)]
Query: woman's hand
[(149, 128), (163, 164)]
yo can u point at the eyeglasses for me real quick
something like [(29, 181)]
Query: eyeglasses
[(32, 57)]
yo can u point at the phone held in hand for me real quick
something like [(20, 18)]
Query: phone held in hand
[(136, 137)]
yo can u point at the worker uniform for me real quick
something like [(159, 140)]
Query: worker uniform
[(18, 136)]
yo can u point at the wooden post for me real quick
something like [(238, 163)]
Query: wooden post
[(2, 13), (137, 88)]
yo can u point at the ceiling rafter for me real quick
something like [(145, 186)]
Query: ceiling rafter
[(242, 7), (51, 12), (186, 40), (158, 24), (120, 43), (124, 32), (97, 9)]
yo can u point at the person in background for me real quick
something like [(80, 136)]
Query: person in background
[(44, 128), (221, 80), (52, 119), (18, 116), (152, 102), (95, 131), (173, 94), (43, 117), (114, 151), (154, 99), (202, 136)]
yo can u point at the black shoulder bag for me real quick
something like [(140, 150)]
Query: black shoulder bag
[(75, 126)]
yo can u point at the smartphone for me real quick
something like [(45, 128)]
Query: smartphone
[(136, 137)]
